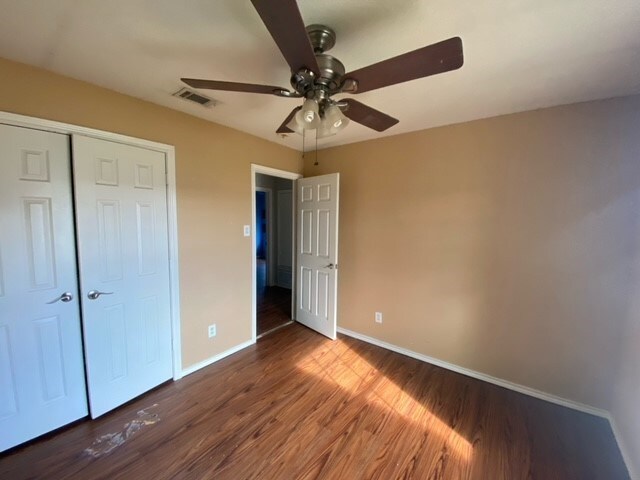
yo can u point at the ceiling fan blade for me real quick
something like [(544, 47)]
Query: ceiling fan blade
[(283, 128), (284, 22), (367, 116), (437, 58), (232, 86)]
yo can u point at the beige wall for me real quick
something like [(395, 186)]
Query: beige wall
[(213, 184), (504, 245), (501, 245)]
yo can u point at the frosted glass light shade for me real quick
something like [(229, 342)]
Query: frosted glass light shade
[(333, 121), (308, 117)]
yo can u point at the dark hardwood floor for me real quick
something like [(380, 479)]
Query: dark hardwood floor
[(299, 406), (273, 307)]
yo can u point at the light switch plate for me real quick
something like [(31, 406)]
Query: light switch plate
[(247, 230)]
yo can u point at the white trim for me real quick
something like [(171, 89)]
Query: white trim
[(172, 215), (254, 262), (623, 447), (480, 376), (68, 129), (174, 272), (205, 363), (294, 246), (274, 172)]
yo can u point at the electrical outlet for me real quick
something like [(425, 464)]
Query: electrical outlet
[(247, 230), (378, 317), (212, 330)]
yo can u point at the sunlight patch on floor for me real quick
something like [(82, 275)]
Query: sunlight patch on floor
[(355, 375)]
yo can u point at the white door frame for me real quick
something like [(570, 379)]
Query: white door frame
[(273, 172), (269, 254), (172, 213)]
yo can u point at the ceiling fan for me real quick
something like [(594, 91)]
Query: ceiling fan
[(317, 76)]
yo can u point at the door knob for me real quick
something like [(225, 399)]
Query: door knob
[(94, 294), (331, 266), (65, 297)]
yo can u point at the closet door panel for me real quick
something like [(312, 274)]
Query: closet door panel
[(42, 384), (121, 215)]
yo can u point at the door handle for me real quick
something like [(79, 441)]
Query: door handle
[(331, 266), (65, 297), (94, 294)]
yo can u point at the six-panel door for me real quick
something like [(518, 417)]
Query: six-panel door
[(121, 216), (317, 252), (42, 383)]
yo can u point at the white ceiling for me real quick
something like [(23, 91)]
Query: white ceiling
[(519, 54)]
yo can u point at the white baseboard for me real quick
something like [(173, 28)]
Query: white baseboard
[(205, 363), (624, 450), (465, 371), (480, 376)]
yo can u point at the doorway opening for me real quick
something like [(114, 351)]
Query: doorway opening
[(274, 252), (273, 249)]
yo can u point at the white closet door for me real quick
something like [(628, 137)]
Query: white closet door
[(41, 366), (317, 256), (124, 269)]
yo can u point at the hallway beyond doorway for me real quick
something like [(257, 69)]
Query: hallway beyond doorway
[(274, 303)]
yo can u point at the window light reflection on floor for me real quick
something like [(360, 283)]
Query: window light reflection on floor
[(359, 377)]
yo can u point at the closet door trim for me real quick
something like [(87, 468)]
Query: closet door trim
[(172, 212)]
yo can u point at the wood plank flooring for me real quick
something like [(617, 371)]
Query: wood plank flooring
[(299, 406), (273, 309), (273, 304)]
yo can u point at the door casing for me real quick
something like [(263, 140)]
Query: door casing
[(172, 216)]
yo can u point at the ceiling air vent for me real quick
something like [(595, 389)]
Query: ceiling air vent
[(195, 97)]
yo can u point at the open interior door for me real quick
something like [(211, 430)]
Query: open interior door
[(317, 252)]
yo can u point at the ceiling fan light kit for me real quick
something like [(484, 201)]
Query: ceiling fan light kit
[(308, 117), (335, 120), (325, 118), (317, 76)]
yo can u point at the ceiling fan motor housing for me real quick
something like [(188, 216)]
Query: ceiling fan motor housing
[(308, 84), (331, 72)]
